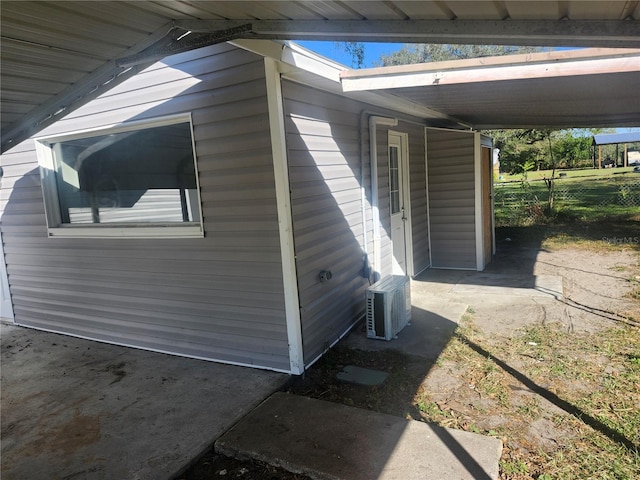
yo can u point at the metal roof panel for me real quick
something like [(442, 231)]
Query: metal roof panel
[(87, 36), (611, 138)]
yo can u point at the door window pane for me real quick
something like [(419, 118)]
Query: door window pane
[(394, 180)]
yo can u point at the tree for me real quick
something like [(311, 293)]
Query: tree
[(356, 50), (425, 52)]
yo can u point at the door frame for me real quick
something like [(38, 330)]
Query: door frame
[(405, 182), (481, 171), (487, 204)]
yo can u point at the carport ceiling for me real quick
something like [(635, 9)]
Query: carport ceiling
[(573, 88), (57, 55)]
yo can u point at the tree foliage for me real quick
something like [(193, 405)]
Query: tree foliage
[(426, 52), (356, 50), (546, 149)]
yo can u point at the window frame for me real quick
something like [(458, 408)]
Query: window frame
[(48, 175)]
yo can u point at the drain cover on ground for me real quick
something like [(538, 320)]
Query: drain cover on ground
[(362, 376)]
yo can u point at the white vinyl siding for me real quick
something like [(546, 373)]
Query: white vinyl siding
[(418, 192), (219, 297), (450, 159), (324, 169), (324, 152)]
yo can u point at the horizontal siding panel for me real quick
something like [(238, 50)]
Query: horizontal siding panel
[(320, 107), (230, 145), (213, 255), (323, 142), (240, 176), (150, 266), (190, 325), (194, 303), (452, 190), (190, 284), (220, 297), (201, 347), (328, 217), (307, 238), (267, 338), (452, 198), (27, 181), (245, 225), (306, 189), (321, 202), (320, 173), (222, 277)]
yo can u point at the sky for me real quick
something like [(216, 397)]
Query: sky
[(335, 51)]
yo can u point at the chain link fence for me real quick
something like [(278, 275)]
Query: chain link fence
[(525, 203)]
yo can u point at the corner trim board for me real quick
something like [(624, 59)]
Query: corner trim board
[(477, 163), (285, 220)]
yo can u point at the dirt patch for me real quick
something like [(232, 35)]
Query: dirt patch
[(215, 466)]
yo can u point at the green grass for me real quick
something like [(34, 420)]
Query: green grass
[(579, 202), (598, 375)]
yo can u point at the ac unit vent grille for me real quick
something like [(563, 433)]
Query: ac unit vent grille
[(388, 307)]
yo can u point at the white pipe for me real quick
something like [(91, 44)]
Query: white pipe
[(363, 197), (374, 121)]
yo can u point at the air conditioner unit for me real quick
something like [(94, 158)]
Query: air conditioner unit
[(388, 307)]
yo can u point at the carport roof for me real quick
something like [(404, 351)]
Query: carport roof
[(573, 88), (611, 138), (58, 55)]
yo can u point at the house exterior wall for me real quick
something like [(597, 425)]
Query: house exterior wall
[(452, 198), (219, 297), (328, 144), (323, 144)]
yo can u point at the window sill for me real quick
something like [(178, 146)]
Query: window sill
[(191, 230)]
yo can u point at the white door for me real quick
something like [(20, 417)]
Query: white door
[(6, 309), (398, 200)]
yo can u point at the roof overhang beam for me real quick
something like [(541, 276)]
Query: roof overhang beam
[(554, 33), (491, 69)]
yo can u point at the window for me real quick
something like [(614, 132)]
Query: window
[(135, 180), (394, 180)]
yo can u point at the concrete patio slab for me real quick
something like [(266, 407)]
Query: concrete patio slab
[(77, 409), (518, 285), (331, 441), (366, 377)]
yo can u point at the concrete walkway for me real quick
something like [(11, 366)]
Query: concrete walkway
[(74, 409), (330, 441)]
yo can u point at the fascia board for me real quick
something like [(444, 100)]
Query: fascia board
[(433, 78), (304, 66)]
